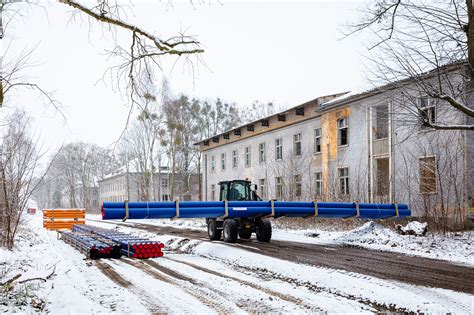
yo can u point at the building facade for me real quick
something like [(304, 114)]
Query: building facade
[(132, 186), (364, 147)]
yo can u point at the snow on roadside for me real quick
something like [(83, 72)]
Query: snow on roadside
[(362, 287), (456, 249), (239, 263), (76, 286)]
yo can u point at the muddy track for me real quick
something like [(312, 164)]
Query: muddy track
[(170, 277), (267, 274), (118, 279), (284, 297), (112, 274), (384, 265)]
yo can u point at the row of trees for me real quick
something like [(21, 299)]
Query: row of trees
[(159, 139), (167, 127)]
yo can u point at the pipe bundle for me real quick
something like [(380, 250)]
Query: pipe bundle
[(91, 245), (248, 209), (57, 219), (130, 245)]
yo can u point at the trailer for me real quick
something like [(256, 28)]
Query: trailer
[(241, 212)]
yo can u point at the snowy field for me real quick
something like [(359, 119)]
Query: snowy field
[(204, 277)]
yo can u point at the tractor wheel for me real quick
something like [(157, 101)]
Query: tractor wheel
[(264, 230), (245, 233), (231, 229), (212, 230)]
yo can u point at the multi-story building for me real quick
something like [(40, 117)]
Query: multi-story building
[(365, 147), (135, 186)]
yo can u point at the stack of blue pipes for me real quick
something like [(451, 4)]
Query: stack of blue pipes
[(250, 209)]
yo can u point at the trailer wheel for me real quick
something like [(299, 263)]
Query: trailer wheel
[(264, 230), (212, 230), (231, 229), (245, 233)]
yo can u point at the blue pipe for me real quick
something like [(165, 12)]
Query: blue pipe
[(246, 209)]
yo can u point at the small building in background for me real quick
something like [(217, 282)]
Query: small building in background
[(138, 186)]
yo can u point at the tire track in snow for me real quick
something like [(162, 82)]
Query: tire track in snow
[(384, 265), (267, 274), (284, 297), (110, 273), (207, 298), (250, 305)]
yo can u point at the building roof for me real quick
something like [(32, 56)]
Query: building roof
[(331, 101), (317, 101)]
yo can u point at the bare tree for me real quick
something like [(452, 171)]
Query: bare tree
[(142, 53), (411, 37), (18, 161)]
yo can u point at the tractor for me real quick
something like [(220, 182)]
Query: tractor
[(233, 228)]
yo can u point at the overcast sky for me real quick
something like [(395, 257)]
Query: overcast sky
[(284, 52)]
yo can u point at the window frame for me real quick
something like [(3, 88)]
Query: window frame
[(318, 192), (213, 163), (235, 158), (278, 149), (262, 153), (262, 188), (213, 192), (339, 131), (223, 162), (278, 187), (297, 144), (428, 110), (435, 175), (248, 156), (386, 129), (316, 138), (343, 179), (298, 178)]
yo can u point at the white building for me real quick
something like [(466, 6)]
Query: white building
[(135, 186), (350, 147)]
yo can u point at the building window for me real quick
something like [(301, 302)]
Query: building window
[(164, 182), (262, 188), (213, 163), (213, 192), (248, 156), (261, 153), (278, 187), (298, 186), (235, 158), (343, 131), (426, 110), (381, 122), (297, 144), (344, 180), (317, 140), (222, 161), (279, 149), (165, 197), (427, 175), (318, 184)]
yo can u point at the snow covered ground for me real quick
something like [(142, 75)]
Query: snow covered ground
[(456, 249), (197, 276)]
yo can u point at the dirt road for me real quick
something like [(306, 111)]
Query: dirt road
[(384, 265)]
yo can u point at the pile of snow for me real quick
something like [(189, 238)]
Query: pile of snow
[(458, 249), (413, 228)]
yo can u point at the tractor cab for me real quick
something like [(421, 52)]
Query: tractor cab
[(238, 190)]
